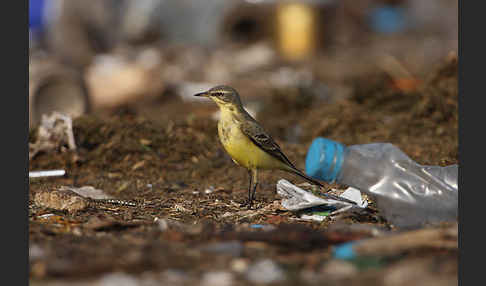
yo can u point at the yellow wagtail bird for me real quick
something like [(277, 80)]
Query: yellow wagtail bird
[(246, 141)]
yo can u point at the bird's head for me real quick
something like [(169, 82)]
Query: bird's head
[(223, 95)]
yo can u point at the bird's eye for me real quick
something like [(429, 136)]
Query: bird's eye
[(218, 94)]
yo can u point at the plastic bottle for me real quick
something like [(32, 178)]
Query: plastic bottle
[(406, 193)]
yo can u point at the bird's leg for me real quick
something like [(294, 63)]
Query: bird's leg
[(249, 189), (248, 203), (254, 175)]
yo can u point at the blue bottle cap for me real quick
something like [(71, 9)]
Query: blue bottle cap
[(324, 159)]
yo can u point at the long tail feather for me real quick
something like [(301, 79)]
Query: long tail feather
[(315, 182), (307, 178)]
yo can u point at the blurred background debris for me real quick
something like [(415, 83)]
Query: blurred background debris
[(111, 53)]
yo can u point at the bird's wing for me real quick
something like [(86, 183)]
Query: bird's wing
[(259, 137)]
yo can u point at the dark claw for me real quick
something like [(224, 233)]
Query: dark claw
[(248, 204)]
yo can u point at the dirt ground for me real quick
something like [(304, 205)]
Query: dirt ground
[(186, 225)]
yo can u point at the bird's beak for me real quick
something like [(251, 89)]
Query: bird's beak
[(205, 94)]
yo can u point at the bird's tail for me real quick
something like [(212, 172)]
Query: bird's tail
[(307, 178), (315, 182)]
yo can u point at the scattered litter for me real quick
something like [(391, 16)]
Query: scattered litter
[(47, 173), (355, 196), (407, 194), (45, 216), (395, 244), (54, 132), (316, 217), (297, 199), (265, 271)]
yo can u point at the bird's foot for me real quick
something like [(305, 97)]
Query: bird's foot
[(248, 204)]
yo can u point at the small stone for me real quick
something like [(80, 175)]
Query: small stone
[(60, 200)]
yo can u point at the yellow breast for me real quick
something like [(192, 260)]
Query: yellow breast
[(243, 151)]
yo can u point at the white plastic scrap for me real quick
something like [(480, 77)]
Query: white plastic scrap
[(296, 199), (88, 192), (313, 217), (355, 196), (46, 173)]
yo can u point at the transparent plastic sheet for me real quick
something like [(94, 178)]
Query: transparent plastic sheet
[(407, 194)]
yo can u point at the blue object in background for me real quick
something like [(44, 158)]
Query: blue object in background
[(388, 19), (36, 14), (344, 251)]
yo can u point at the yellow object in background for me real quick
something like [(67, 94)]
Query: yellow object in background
[(296, 30)]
